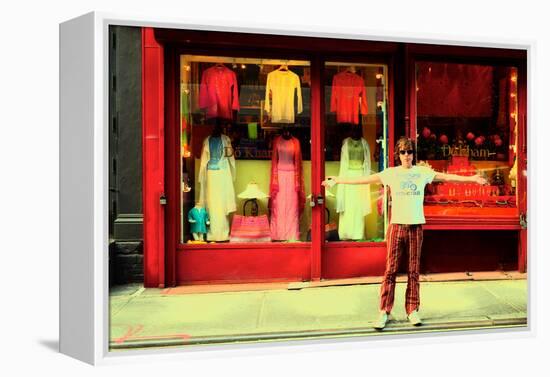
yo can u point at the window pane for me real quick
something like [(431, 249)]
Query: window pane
[(466, 122), (355, 138), (245, 149)]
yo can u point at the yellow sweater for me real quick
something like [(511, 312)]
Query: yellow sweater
[(282, 85)]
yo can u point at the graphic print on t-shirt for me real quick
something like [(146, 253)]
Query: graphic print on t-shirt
[(407, 190), (408, 186)]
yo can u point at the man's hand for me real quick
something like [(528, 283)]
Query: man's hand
[(329, 182), (479, 179)]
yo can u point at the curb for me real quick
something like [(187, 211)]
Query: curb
[(393, 328)]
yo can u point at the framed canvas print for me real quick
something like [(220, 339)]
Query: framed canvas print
[(229, 186)]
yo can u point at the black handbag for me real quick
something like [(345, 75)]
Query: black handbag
[(331, 229)]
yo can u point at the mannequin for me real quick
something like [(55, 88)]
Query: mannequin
[(353, 202), (356, 132), (217, 130), (198, 217), (286, 189), (216, 176), (285, 133)]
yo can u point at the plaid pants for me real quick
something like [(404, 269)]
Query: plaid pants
[(409, 237)]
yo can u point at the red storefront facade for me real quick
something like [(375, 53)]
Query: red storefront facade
[(489, 227)]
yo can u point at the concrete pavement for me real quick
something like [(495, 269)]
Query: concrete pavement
[(247, 313)]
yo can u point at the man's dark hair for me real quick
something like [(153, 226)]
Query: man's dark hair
[(406, 144)]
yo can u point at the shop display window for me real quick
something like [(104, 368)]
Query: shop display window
[(245, 138), (467, 118), (355, 145)]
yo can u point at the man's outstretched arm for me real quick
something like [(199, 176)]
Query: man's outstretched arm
[(371, 179), (443, 177)]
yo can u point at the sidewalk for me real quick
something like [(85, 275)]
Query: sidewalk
[(247, 313)]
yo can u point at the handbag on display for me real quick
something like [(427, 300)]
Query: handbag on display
[(331, 229), (250, 228)]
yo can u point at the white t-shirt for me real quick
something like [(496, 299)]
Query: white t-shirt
[(407, 192)]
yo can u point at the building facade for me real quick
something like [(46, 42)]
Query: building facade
[(220, 141)]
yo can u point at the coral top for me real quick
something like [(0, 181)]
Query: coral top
[(218, 92), (348, 97)]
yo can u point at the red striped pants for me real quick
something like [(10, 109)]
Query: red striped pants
[(399, 237)]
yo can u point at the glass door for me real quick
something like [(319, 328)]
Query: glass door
[(356, 135)]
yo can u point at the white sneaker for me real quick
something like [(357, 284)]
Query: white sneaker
[(414, 318), (380, 323)]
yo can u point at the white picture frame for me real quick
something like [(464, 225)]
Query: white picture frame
[(84, 287)]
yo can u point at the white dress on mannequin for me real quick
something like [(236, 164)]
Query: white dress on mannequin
[(353, 202), (216, 176)]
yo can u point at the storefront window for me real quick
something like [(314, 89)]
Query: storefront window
[(467, 124), (355, 139), (245, 149)]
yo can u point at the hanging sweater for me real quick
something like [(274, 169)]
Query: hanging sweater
[(348, 97), (282, 85), (219, 92)]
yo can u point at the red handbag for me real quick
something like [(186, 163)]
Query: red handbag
[(250, 229)]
